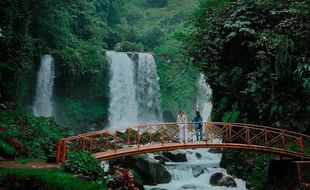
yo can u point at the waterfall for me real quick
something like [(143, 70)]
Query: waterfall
[(123, 109), (204, 92), (148, 95), (44, 90), (134, 89)]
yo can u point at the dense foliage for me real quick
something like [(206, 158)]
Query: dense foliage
[(43, 179), (23, 135), (83, 163), (76, 34), (156, 25), (252, 54), (120, 178), (255, 55), (178, 81)]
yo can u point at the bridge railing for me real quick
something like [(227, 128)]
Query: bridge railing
[(238, 134)]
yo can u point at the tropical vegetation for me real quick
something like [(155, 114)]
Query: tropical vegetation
[(254, 54)]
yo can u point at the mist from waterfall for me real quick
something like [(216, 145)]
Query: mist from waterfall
[(44, 89), (134, 89)]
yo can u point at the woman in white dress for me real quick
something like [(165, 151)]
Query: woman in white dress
[(182, 122)]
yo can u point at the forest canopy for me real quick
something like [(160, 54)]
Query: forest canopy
[(255, 55), (77, 34)]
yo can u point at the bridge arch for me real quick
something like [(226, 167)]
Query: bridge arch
[(114, 143)]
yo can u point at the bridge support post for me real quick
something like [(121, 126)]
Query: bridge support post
[(64, 151), (138, 136), (58, 151), (162, 135)]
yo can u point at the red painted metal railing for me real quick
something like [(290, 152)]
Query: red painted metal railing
[(112, 143)]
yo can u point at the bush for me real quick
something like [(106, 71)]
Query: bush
[(31, 136), (128, 46), (43, 179), (6, 149), (18, 146), (83, 163), (120, 178)]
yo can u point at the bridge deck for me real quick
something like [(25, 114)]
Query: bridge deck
[(149, 148), (107, 144)]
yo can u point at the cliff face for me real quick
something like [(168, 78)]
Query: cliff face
[(287, 174)]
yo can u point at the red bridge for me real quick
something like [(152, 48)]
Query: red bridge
[(108, 144)]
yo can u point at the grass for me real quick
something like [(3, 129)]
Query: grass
[(47, 179)]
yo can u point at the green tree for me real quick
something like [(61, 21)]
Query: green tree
[(255, 56)]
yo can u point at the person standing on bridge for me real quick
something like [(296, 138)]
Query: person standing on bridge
[(182, 122), (198, 126)]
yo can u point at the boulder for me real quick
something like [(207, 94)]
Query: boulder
[(175, 156), (197, 171), (215, 178), (225, 160), (161, 158), (148, 169), (198, 155), (218, 179), (228, 181), (126, 46), (133, 56), (215, 150)]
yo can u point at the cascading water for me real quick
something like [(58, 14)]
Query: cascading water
[(134, 89), (123, 108), (200, 161), (44, 91), (148, 95), (202, 164), (203, 103)]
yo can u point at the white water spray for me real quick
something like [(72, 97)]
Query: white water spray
[(134, 89), (123, 110), (203, 103), (44, 91), (148, 95)]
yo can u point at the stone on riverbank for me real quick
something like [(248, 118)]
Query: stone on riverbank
[(218, 179)]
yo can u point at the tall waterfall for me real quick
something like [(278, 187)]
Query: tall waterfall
[(44, 91), (148, 95), (203, 104), (123, 108), (134, 91)]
